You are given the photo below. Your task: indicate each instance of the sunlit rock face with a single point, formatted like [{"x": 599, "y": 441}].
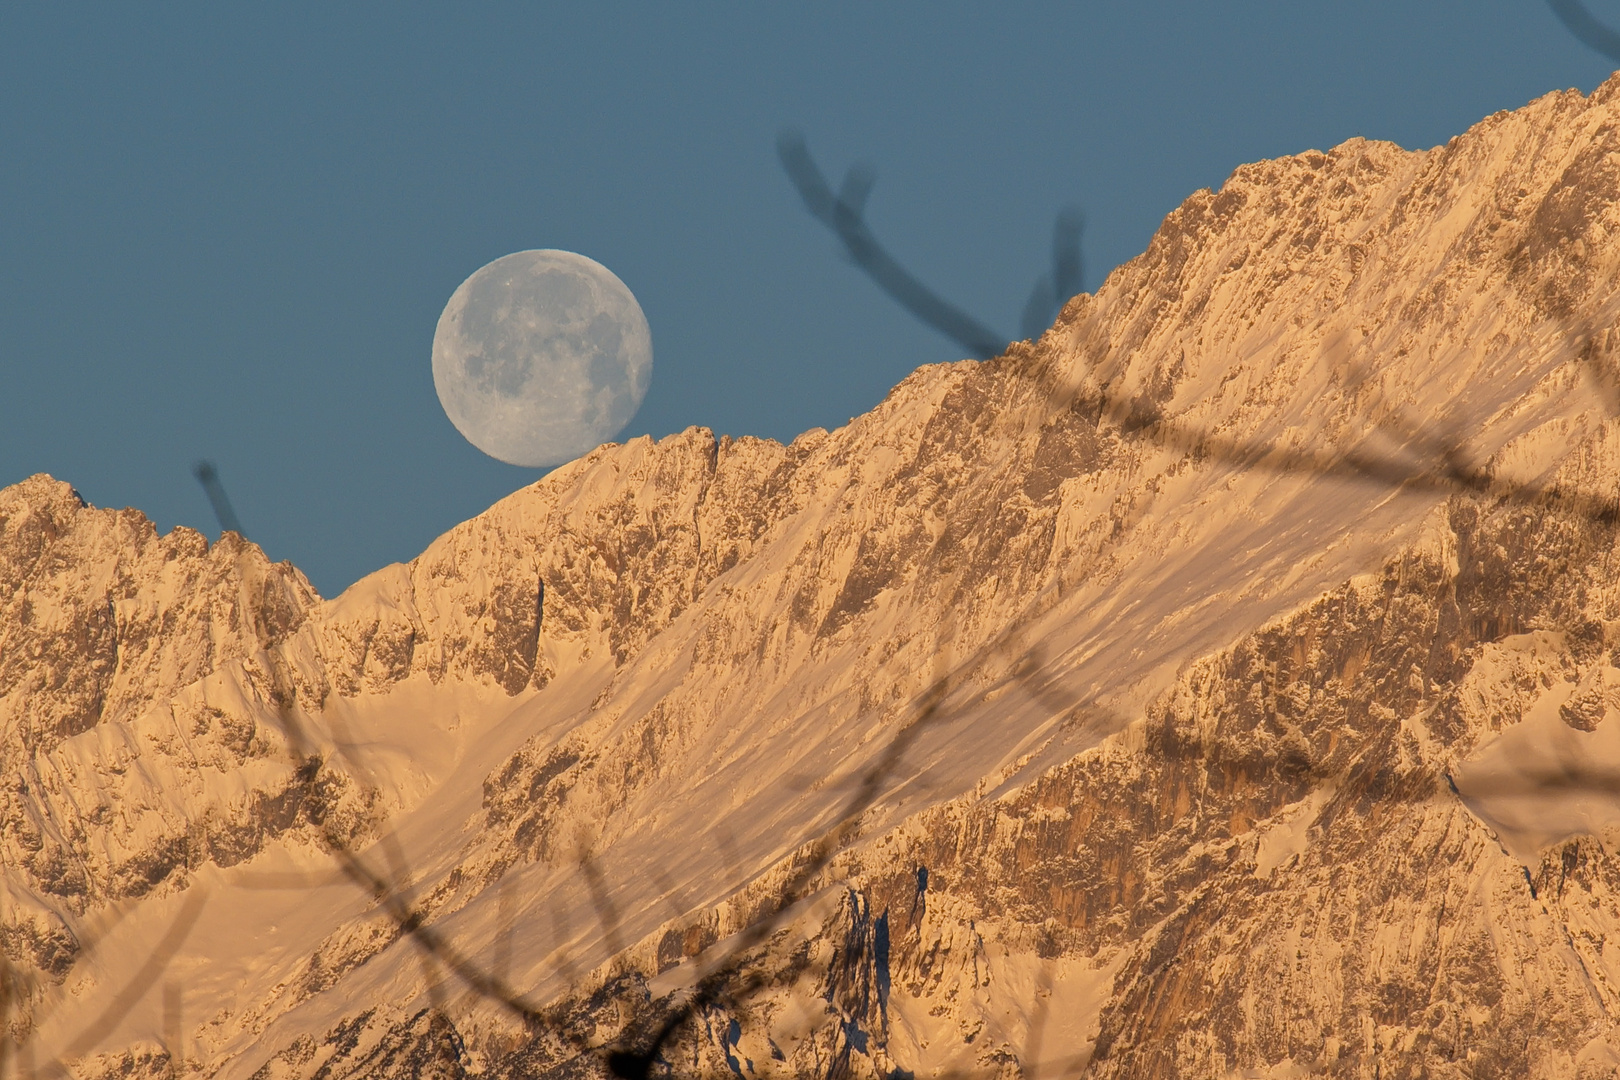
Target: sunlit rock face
[{"x": 1254, "y": 739}]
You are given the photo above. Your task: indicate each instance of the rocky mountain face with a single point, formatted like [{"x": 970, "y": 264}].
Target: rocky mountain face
[{"x": 1227, "y": 683}]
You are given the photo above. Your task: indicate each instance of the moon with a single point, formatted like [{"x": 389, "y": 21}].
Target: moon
[{"x": 541, "y": 356}]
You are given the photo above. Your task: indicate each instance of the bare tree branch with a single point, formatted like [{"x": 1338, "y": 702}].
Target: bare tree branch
[
  {"x": 145, "y": 977},
  {"x": 208, "y": 477},
  {"x": 843, "y": 215},
  {"x": 1585, "y": 26}
]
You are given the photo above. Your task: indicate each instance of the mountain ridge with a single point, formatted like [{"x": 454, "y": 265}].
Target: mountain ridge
[{"x": 673, "y": 662}]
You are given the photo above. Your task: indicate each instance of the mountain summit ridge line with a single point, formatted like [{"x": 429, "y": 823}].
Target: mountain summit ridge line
[{"x": 1185, "y": 693}]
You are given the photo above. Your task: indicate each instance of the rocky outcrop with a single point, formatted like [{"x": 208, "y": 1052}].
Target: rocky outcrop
[{"x": 104, "y": 624}]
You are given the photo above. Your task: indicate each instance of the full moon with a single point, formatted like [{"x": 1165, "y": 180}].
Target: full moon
[{"x": 541, "y": 356}]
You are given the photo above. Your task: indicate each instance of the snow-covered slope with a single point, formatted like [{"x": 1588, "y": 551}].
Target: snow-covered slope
[{"x": 1209, "y": 639}]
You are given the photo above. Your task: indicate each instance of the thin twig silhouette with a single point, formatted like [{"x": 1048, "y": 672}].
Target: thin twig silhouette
[
  {"x": 711, "y": 987},
  {"x": 144, "y": 978},
  {"x": 1442, "y": 466},
  {"x": 843, "y": 214},
  {"x": 1569, "y": 773},
  {"x": 1448, "y": 469},
  {"x": 1586, "y": 28},
  {"x": 502, "y": 965},
  {"x": 561, "y": 935},
  {"x": 1066, "y": 278},
  {"x": 208, "y": 477},
  {"x": 174, "y": 1028},
  {"x": 670, "y": 893},
  {"x": 1037, "y": 1024},
  {"x": 606, "y": 912},
  {"x": 388, "y": 893},
  {"x": 8, "y": 990},
  {"x": 15, "y": 989},
  {"x": 289, "y": 880}
]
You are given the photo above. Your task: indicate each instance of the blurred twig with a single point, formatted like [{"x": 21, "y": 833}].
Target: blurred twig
[
  {"x": 844, "y": 214},
  {"x": 208, "y": 477},
  {"x": 144, "y": 978},
  {"x": 1585, "y": 26},
  {"x": 1065, "y": 279}
]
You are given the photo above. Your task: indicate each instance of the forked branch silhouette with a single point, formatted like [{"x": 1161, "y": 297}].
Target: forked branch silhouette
[{"x": 844, "y": 213}]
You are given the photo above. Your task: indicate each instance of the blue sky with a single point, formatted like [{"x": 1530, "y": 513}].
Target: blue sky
[{"x": 228, "y": 230}]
